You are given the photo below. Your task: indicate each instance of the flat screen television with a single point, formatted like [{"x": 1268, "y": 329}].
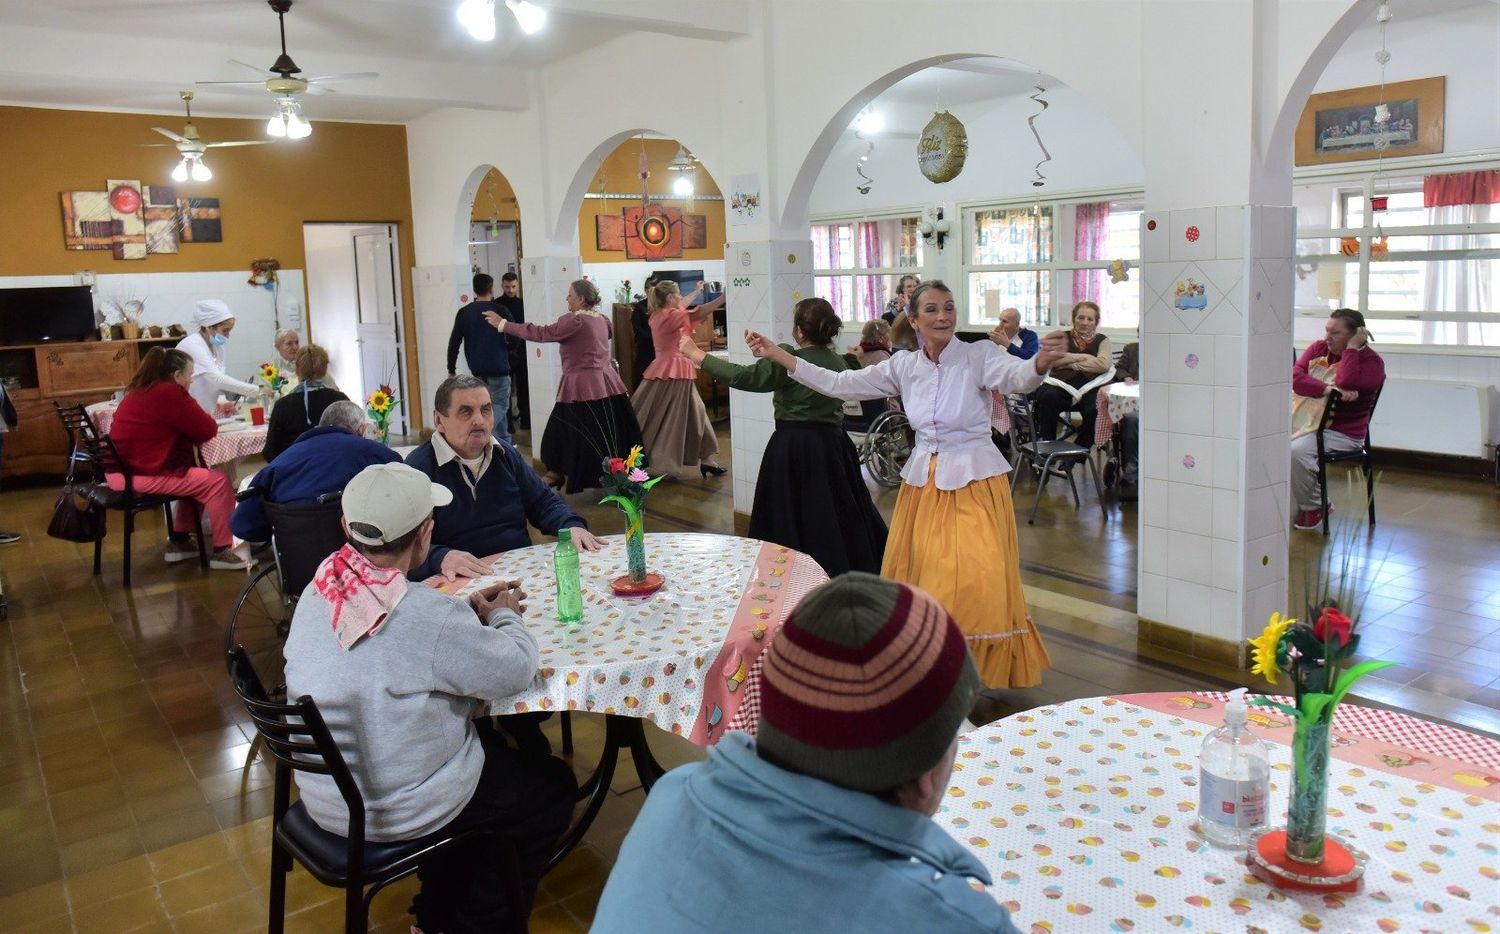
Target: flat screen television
[{"x": 40, "y": 315}]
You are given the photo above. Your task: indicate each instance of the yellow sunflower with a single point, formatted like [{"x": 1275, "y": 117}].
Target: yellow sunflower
[
  {"x": 1265, "y": 646},
  {"x": 267, "y": 371},
  {"x": 379, "y": 401}
]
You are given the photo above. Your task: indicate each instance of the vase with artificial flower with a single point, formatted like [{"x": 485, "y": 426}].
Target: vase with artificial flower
[
  {"x": 274, "y": 377},
  {"x": 627, "y": 483},
  {"x": 1319, "y": 657},
  {"x": 379, "y": 406}
]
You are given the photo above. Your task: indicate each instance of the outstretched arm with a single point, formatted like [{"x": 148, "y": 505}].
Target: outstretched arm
[{"x": 876, "y": 382}]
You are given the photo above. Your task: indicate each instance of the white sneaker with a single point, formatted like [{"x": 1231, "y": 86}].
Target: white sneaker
[
  {"x": 227, "y": 559},
  {"x": 181, "y": 551}
]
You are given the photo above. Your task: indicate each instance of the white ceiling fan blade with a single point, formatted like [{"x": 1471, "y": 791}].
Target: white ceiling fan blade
[
  {"x": 350, "y": 76},
  {"x": 240, "y": 142},
  {"x": 169, "y": 135},
  {"x": 157, "y": 145},
  {"x": 242, "y": 84},
  {"x": 254, "y": 68},
  {"x": 315, "y": 90}
]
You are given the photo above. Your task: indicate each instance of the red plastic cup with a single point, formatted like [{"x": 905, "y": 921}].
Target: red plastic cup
[{"x": 258, "y": 415}]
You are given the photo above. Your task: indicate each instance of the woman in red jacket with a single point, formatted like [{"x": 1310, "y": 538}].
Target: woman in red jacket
[{"x": 155, "y": 430}]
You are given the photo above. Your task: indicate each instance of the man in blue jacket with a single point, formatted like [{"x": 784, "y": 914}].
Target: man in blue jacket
[
  {"x": 823, "y": 821},
  {"x": 1017, "y": 341},
  {"x": 321, "y": 460},
  {"x": 485, "y": 349}
]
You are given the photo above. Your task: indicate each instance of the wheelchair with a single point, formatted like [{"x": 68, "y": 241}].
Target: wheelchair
[
  {"x": 301, "y": 537},
  {"x": 884, "y": 439}
]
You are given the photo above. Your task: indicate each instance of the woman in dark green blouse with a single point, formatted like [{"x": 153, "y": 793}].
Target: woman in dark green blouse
[{"x": 810, "y": 494}]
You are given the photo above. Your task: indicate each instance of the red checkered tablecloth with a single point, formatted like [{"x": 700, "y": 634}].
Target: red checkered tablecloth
[
  {"x": 1110, "y": 412},
  {"x": 999, "y": 414},
  {"x": 804, "y": 577},
  {"x": 232, "y": 441}
]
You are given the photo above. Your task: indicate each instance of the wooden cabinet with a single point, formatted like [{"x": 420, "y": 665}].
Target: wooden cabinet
[{"x": 69, "y": 373}]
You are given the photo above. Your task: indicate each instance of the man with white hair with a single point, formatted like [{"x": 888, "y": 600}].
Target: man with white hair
[
  {"x": 1017, "y": 341},
  {"x": 214, "y": 321},
  {"x": 287, "y": 342},
  {"x": 321, "y": 460}
]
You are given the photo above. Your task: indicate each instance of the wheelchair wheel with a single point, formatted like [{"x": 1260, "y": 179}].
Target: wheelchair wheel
[
  {"x": 260, "y": 621},
  {"x": 887, "y": 446}
]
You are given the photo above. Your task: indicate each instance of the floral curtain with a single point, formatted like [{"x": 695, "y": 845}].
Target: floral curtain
[
  {"x": 868, "y": 298},
  {"x": 826, "y": 256},
  {"x": 1090, "y": 240}
]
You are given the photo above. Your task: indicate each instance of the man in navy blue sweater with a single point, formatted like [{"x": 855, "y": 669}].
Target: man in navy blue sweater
[
  {"x": 321, "y": 460},
  {"x": 496, "y": 494},
  {"x": 485, "y": 349}
]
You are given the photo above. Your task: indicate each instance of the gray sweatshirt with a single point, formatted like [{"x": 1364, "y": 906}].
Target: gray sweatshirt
[{"x": 399, "y": 705}]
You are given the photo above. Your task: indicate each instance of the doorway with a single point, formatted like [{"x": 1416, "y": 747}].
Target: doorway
[{"x": 354, "y": 308}]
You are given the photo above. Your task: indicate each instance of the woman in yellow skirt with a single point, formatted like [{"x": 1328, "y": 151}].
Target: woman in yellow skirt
[{"x": 954, "y": 531}]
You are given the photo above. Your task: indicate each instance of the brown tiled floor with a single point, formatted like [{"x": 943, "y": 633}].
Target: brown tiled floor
[{"x": 125, "y": 804}]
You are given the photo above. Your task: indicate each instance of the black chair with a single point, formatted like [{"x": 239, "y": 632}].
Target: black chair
[
  {"x": 1362, "y": 454},
  {"x": 302, "y": 536},
  {"x": 1046, "y": 459},
  {"x": 98, "y": 454},
  {"x": 299, "y": 740}
]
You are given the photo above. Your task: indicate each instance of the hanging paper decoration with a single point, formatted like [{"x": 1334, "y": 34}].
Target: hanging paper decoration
[
  {"x": 942, "y": 148},
  {"x": 1119, "y": 271},
  {"x": 859, "y": 164},
  {"x": 1040, "y": 179}
]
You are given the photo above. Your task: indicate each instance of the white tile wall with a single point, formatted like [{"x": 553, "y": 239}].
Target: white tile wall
[{"x": 1189, "y": 557}]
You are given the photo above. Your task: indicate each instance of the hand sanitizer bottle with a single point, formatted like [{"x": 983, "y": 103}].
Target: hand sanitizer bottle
[
  {"x": 1234, "y": 780},
  {"x": 569, "y": 588}
]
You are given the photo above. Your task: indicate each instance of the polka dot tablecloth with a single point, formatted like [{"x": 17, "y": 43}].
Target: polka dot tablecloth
[
  {"x": 680, "y": 658},
  {"x": 233, "y": 440},
  {"x": 1085, "y": 815}
]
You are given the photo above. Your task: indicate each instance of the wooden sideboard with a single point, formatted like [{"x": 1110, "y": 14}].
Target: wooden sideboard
[{"x": 65, "y": 372}]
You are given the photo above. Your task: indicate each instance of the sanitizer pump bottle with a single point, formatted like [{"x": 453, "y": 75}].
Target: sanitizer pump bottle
[{"x": 1234, "y": 780}]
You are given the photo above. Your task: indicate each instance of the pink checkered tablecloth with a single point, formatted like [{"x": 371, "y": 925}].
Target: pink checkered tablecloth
[
  {"x": 679, "y": 658},
  {"x": 999, "y": 414},
  {"x": 233, "y": 440},
  {"x": 1116, "y": 401},
  {"x": 1085, "y": 815}
]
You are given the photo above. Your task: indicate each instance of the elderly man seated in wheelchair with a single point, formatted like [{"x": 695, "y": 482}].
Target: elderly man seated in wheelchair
[{"x": 321, "y": 461}]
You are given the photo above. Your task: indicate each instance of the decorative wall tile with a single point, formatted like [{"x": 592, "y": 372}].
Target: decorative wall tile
[
  {"x": 1266, "y": 560},
  {"x": 1192, "y": 409},
  {"x": 1192, "y": 234},
  {"x": 1155, "y": 234},
  {"x": 1191, "y": 360},
  {"x": 1190, "y": 459}
]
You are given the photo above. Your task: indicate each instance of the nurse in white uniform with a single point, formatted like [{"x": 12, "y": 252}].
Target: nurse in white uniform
[{"x": 206, "y": 347}]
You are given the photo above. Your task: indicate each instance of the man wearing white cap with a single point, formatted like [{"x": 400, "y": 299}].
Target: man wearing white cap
[
  {"x": 395, "y": 669},
  {"x": 206, "y": 346}
]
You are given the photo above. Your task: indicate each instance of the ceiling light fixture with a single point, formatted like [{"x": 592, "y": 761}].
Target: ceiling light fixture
[
  {"x": 288, "y": 120},
  {"x": 682, "y": 162},
  {"x": 530, "y": 17},
  {"x": 870, "y": 122},
  {"x": 191, "y": 167},
  {"x": 478, "y": 17},
  {"x": 683, "y": 187}
]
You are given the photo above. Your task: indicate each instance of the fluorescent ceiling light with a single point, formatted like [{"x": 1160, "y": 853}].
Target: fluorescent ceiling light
[
  {"x": 529, "y": 16},
  {"x": 478, "y": 17}
]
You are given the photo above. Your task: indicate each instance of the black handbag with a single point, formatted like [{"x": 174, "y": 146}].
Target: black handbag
[{"x": 75, "y": 518}]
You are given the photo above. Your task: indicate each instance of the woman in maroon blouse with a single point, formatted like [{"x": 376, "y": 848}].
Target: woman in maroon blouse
[
  {"x": 592, "y": 419},
  {"x": 155, "y": 431}
]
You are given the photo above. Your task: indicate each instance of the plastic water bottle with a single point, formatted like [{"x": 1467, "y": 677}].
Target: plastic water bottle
[
  {"x": 569, "y": 590},
  {"x": 1234, "y": 780}
]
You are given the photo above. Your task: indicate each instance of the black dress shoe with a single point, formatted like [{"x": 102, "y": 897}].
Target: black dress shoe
[{"x": 710, "y": 470}]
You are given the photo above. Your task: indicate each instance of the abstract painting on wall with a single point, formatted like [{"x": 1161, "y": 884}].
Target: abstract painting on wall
[
  {"x": 662, "y": 234},
  {"x": 132, "y": 221}
]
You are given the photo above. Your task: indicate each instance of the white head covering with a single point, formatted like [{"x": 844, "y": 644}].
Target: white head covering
[{"x": 210, "y": 312}]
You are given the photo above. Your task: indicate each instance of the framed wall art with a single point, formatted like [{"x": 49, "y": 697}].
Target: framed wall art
[{"x": 1344, "y": 126}]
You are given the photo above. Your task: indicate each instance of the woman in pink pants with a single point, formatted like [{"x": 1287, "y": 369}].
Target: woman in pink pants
[{"x": 155, "y": 430}]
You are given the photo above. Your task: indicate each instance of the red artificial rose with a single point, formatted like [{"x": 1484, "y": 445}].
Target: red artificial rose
[
  {"x": 617, "y": 465},
  {"x": 1333, "y": 622}
]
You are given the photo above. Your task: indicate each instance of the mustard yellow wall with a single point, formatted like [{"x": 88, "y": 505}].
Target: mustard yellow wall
[
  {"x": 343, "y": 172},
  {"x": 495, "y": 200},
  {"x": 621, "y": 173}
]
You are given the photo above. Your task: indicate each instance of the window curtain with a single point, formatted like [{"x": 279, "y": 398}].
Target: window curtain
[
  {"x": 826, "y": 256},
  {"x": 1090, "y": 240},
  {"x": 1458, "y": 285},
  {"x": 1460, "y": 188},
  {"x": 867, "y": 301}
]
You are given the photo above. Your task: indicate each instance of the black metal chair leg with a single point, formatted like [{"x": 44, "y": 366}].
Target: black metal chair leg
[
  {"x": 1323, "y": 492},
  {"x": 1041, "y": 485},
  {"x": 567, "y": 732},
  {"x": 1098, "y": 488},
  {"x": 276, "y": 921},
  {"x": 1073, "y": 485},
  {"x": 1370, "y": 488},
  {"x": 129, "y": 528},
  {"x": 198, "y": 524},
  {"x": 356, "y": 915},
  {"x": 98, "y": 551}
]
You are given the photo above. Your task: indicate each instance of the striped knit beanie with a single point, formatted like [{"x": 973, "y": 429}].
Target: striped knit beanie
[{"x": 865, "y": 686}]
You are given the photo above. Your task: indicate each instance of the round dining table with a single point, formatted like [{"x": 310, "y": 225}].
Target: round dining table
[
  {"x": 1085, "y": 815},
  {"x": 685, "y": 659},
  {"x": 236, "y": 438}
]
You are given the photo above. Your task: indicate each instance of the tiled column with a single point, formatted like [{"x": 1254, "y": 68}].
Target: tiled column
[
  {"x": 544, "y": 283},
  {"x": 437, "y": 291},
  {"x": 1215, "y": 403},
  {"x": 765, "y": 279}
]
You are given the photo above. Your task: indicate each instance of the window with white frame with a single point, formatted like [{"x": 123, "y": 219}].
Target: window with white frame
[
  {"x": 1044, "y": 257},
  {"x": 1418, "y": 255},
  {"x": 858, "y": 262}
]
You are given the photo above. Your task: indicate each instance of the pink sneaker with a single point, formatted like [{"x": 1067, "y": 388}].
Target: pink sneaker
[{"x": 1308, "y": 519}]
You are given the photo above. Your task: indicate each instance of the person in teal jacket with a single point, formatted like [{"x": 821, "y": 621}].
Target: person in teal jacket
[
  {"x": 823, "y": 821},
  {"x": 810, "y": 493}
]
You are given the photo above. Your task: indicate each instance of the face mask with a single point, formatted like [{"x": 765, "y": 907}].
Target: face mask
[{"x": 218, "y": 340}]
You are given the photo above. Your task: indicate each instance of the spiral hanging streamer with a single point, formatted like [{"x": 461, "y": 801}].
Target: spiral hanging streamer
[
  {"x": 1031, "y": 122},
  {"x": 859, "y": 164}
]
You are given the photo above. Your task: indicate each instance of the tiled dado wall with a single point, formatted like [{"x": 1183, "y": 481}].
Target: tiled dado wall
[
  {"x": 171, "y": 296},
  {"x": 1214, "y": 412}
]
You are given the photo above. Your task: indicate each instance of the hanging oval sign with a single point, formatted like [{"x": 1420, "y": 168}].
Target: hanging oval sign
[{"x": 942, "y": 148}]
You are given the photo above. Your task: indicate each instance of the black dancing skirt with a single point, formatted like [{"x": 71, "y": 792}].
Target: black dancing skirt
[
  {"x": 581, "y": 435},
  {"x": 811, "y": 496}
]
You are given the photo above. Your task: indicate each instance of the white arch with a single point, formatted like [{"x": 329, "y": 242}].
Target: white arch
[
  {"x": 1280, "y": 139},
  {"x": 572, "y": 199}
]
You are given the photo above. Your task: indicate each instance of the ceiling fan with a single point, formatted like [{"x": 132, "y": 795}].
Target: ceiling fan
[
  {"x": 286, "y": 83},
  {"x": 192, "y": 146}
]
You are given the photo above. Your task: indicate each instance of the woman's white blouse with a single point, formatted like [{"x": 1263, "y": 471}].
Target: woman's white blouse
[
  {"x": 948, "y": 404},
  {"x": 209, "y": 378}
]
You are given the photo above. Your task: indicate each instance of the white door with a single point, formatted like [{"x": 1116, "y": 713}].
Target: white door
[{"x": 378, "y": 293}]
